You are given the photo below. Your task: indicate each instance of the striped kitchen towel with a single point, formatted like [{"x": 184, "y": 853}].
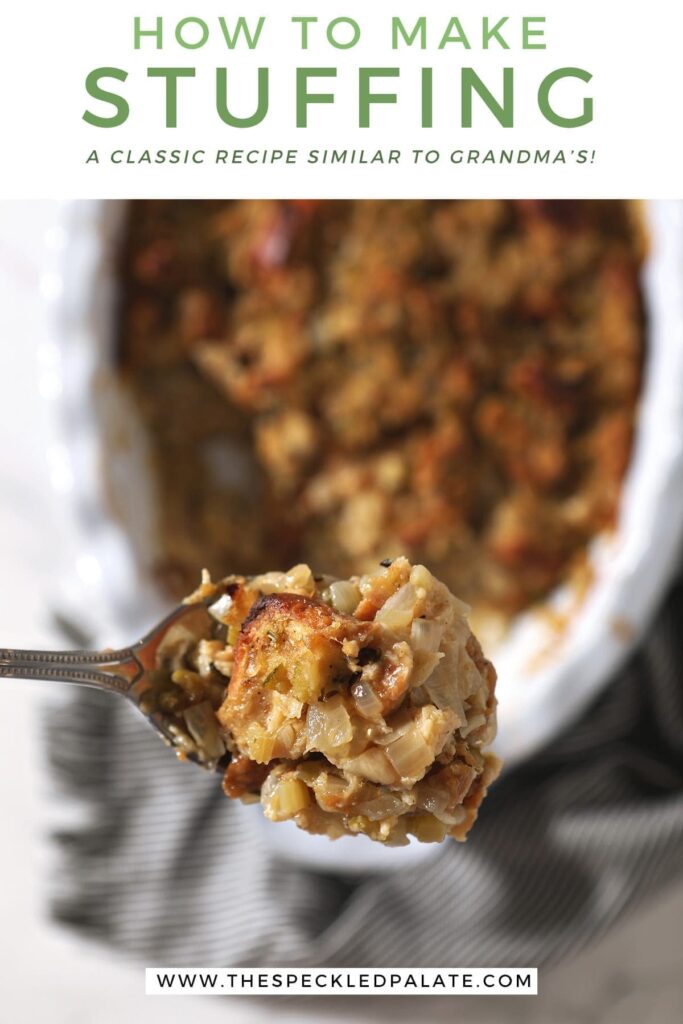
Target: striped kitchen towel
[{"x": 153, "y": 860}]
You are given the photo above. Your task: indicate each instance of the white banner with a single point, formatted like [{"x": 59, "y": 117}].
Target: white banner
[
  {"x": 276, "y": 99},
  {"x": 342, "y": 981}
]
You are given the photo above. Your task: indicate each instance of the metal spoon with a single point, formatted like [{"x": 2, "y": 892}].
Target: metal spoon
[{"x": 142, "y": 674}]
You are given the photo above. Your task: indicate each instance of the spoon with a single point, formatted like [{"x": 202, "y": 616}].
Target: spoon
[{"x": 142, "y": 674}]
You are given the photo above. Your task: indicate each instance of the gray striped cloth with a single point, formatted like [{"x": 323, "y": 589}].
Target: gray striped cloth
[{"x": 153, "y": 860}]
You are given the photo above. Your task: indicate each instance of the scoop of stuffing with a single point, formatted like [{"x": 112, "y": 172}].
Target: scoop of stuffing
[{"x": 353, "y": 706}]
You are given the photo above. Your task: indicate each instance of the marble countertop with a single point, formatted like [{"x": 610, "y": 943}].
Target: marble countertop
[{"x": 632, "y": 975}]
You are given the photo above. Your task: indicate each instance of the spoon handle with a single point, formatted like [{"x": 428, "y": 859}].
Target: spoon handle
[{"x": 115, "y": 671}]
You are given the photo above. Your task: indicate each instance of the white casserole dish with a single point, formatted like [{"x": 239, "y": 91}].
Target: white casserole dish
[{"x": 538, "y": 697}]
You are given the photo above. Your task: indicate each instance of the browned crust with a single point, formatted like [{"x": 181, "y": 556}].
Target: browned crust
[
  {"x": 270, "y": 616},
  {"x": 273, "y": 608},
  {"x": 265, "y": 628},
  {"x": 266, "y": 618},
  {"x": 472, "y": 801},
  {"x": 243, "y": 776}
]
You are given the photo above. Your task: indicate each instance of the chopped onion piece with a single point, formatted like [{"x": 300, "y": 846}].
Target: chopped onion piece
[
  {"x": 292, "y": 796},
  {"x": 420, "y": 576},
  {"x": 181, "y": 741},
  {"x": 372, "y": 765},
  {"x": 399, "y": 727},
  {"x": 423, "y": 667},
  {"x": 328, "y": 726},
  {"x": 397, "y": 611},
  {"x": 207, "y": 650},
  {"x": 453, "y": 817},
  {"x": 176, "y": 645},
  {"x": 343, "y": 596},
  {"x": 425, "y": 635},
  {"x": 403, "y": 598},
  {"x": 330, "y": 791},
  {"x": 395, "y": 619},
  {"x": 433, "y": 800},
  {"x": 426, "y": 828},
  {"x": 203, "y": 727},
  {"x": 315, "y": 725},
  {"x": 288, "y": 707},
  {"x": 300, "y": 577},
  {"x": 268, "y": 788},
  {"x": 410, "y": 755},
  {"x": 284, "y": 741},
  {"x": 220, "y": 608},
  {"x": 261, "y": 747},
  {"x": 473, "y": 722},
  {"x": 442, "y": 687},
  {"x": 386, "y": 806},
  {"x": 468, "y": 674},
  {"x": 367, "y": 701}
]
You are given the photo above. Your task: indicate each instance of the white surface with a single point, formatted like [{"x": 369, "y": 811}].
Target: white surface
[
  {"x": 632, "y": 52},
  {"x": 46, "y": 976}
]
